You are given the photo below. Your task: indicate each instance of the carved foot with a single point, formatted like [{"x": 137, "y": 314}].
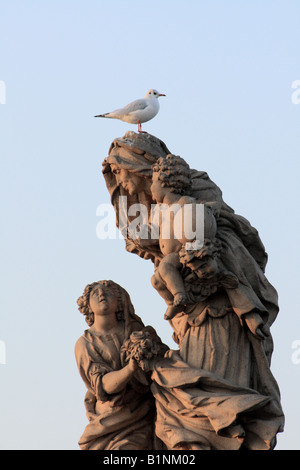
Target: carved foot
[
  {"x": 179, "y": 299},
  {"x": 172, "y": 311}
]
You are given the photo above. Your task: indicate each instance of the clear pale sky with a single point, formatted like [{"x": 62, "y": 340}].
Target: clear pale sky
[{"x": 227, "y": 68}]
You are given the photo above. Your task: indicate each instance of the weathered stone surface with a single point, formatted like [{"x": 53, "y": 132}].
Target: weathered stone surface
[
  {"x": 217, "y": 390},
  {"x": 119, "y": 403}
]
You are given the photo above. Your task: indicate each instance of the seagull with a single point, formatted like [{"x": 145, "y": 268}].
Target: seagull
[{"x": 138, "y": 111}]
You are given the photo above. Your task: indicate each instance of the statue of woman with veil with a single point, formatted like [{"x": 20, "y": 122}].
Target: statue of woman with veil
[{"x": 217, "y": 391}]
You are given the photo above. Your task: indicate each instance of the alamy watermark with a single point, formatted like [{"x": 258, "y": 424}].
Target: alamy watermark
[
  {"x": 2, "y": 352},
  {"x": 2, "y": 92},
  {"x": 160, "y": 221},
  {"x": 296, "y": 94},
  {"x": 296, "y": 353}
]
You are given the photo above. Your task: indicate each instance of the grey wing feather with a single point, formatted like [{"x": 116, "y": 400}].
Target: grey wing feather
[{"x": 135, "y": 106}]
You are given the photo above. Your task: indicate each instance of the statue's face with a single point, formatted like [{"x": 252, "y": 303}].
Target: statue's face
[
  {"x": 103, "y": 301},
  {"x": 129, "y": 181},
  {"x": 206, "y": 268}
]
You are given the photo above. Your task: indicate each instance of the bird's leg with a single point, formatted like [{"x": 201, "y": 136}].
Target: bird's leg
[{"x": 140, "y": 128}]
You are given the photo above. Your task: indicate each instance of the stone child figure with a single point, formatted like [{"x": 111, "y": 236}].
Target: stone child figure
[
  {"x": 170, "y": 183},
  {"x": 118, "y": 402}
]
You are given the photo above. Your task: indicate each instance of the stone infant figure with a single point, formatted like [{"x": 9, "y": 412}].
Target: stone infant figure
[{"x": 178, "y": 214}]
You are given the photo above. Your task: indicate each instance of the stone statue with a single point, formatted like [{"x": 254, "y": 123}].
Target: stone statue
[
  {"x": 170, "y": 180},
  {"x": 217, "y": 390},
  {"x": 114, "y": 358}
]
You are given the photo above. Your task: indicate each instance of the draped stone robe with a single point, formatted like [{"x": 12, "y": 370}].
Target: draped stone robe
[{"x": 119, "y": 421}]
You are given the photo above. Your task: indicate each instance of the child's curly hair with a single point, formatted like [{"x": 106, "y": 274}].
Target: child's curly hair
[
  {"x": 210, "y": 249},
  {"x": 174, "y": 173},
  {"x": 84, "y": 300}
]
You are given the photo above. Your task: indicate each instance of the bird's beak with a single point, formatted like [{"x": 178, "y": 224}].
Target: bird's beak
[{"x": 161, "y": 94}]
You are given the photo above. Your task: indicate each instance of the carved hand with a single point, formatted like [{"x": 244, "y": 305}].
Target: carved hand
[{"x": 114, "y": 382}]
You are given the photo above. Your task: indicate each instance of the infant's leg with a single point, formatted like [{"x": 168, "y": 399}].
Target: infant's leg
[
  {"x": 169, "y": 271},
  {"x": 158, "y": 284}
]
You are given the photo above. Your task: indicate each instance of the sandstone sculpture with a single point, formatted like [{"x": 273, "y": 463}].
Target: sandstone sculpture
[
  {"x": 119, "y": 404},
  {"x": 216, "y": 391}
]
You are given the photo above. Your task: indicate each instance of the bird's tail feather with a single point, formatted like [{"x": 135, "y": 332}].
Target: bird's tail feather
[{"x": 103, "y": 115}]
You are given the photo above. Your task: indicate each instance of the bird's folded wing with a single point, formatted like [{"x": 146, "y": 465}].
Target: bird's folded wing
[{"x": 137, "y": 105}]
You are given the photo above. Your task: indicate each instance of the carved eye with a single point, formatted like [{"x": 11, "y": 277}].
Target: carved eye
[{"x": 116, "y": 171}]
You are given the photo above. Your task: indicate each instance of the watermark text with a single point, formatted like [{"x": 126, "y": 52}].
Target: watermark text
[
  {"x": 2, "y": 352},
  {"x": 160, "y": 221},
  {"x": 296, "y": 94},
  {"x": 296, "y": 353},
  {"x": 2, "y": 92}
]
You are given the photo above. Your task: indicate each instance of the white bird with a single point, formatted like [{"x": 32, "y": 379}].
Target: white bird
[{"x": 138, "y": 111}]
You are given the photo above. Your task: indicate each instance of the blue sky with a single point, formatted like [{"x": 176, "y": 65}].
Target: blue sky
[{"x": 227, "y": 68}]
